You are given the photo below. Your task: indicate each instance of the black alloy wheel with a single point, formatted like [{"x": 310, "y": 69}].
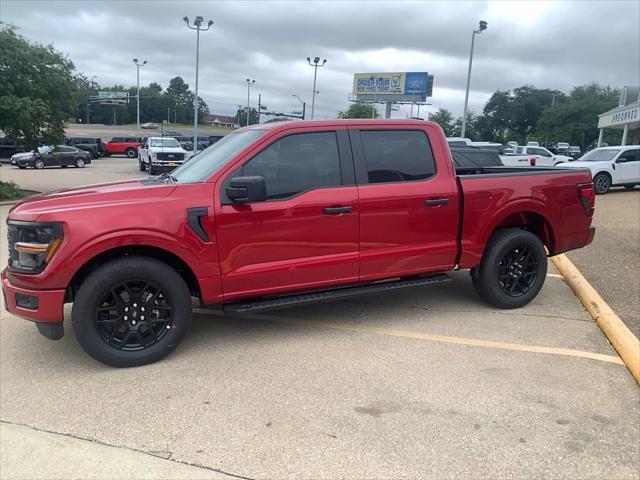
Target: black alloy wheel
[
  {"x": 517, "y": 271},
  {"x": 133, "y": 315}
]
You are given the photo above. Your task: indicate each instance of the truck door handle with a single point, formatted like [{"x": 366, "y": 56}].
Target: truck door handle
[
  {"x": 435, "y": 202},
  {"x": 337, "y": 210}
]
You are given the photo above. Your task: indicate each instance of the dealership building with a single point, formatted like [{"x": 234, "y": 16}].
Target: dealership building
[{"x": 625, "y": 117}]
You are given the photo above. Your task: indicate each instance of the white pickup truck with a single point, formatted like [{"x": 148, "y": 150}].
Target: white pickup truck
[
  {"x": 161, "y": 154},
  {"x": 544, "y": 158}
]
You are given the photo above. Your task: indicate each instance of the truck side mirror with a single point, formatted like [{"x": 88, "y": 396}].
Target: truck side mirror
[{"x": 247, "y": 190}]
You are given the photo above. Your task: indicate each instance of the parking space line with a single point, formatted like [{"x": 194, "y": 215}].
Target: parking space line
[{"x": 475, "y": 342}]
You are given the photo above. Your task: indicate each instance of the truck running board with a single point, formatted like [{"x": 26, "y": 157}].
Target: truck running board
[{"x": 263, "y": 304}]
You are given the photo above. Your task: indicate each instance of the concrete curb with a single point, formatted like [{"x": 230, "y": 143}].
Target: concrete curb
[{"x": 622, "y": 339}]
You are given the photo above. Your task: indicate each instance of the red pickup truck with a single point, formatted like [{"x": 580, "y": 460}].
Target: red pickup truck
[
  {"x": 285, "y": 214},
  {"x": 123, "y": 146}
]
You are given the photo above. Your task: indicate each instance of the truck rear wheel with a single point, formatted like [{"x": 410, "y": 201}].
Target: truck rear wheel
[
  {"x": 142, "y": 166},
  {"x": 512, "y": 270},
  {"x": 131, "y": 311}
]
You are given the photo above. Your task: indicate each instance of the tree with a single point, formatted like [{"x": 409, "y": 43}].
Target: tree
[
  {"x": 38, "y": 89},
  {"x": 575, "y": 118},
  {"x": 241, "y": 116},
  {"x": 359, "y": 110},
  {"x": 517, "y": 112},
  {"x": 444, "y": 118}
]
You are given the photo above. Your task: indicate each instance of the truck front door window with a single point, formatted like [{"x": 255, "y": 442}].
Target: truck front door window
[{"x": 296, "y": 164}]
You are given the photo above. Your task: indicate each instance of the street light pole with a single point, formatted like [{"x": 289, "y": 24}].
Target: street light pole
[
  {"x": 249, "y": 83},
  {"x": 483, "y": 26},
  {"x": 138, "y": 65},
  {"x": 315, "y": 66},
  {"x": 197, "y": 26}
]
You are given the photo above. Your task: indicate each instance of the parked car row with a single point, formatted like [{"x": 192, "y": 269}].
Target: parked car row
[{"x": 610, "y": 166}]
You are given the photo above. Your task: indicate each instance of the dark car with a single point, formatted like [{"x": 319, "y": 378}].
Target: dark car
[
  {"x": 58, "y": 156},
  {"x": 8, "y": 147},
  {"x": 171, "y": 133},
  {"x": 93, "y": 145}
]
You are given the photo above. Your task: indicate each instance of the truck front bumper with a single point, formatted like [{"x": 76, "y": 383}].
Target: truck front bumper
[{"x": 45, "y": 307}]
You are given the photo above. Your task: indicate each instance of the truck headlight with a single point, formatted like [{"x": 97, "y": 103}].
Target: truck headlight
[{"x": 32, "y": 244}]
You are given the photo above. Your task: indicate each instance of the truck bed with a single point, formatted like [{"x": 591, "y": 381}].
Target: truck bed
[{"x": 545, "y": 197}]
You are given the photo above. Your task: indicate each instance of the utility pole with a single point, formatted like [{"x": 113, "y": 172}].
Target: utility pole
[
  {"x": 315, "y": 66},
  {"x": 197, "y": 26},
  {"x": 138, "y": 65},
  {"x": 249, "y": 83},
  {"x": 482, "y": 27},
  {"x": 259, "y": 106}
]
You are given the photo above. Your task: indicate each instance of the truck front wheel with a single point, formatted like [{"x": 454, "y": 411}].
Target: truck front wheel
[
  {"x": 512, "y": 270},
  {"x": 131, "y": 311}
]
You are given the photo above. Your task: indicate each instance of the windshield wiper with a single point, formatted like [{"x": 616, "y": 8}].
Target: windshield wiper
[{"x": 167, "y": 176}]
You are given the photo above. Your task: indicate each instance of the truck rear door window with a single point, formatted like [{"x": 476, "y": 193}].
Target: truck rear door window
[
  {"x": 297, "y": 163},
  {"x": 397, "y": 155}
]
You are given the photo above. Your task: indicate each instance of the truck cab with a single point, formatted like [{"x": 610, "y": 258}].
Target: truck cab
[{"x": 161, "y": 154}]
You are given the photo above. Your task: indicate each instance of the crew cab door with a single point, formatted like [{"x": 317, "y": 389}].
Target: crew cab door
[
  {"x": 408, "y": 202},
  {"x": 627, "y": 167},
  {"x": 305, "y": 234}
]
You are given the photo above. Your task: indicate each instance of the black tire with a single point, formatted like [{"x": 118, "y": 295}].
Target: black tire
[
  {"x": 131, "y": 153},
  {"x": 120, "y": 343},
  {"x": 512, "y": 270},
  {"x": 152, "y": 170},
  {"x": 602, "y": 183},
  {"x": 142, "y": 166},
  {"x": 38, "y": 164},
  {"x": 80, "y": 162},
  {"x": 629, "y": 187}
]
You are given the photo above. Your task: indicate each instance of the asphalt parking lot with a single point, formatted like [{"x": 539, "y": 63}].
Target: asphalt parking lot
[{"x": 427, "y": 382}]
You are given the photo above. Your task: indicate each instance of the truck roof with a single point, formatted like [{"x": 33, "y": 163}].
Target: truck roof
[{"x": 334, "y": 123}]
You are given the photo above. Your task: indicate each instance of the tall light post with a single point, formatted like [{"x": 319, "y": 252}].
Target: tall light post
[
  {"x": 197, "y": 26},
  {"x": 138, "y": 65},
  {"x": 249, "y": 83},
  {"x": 483, "y": 26},
  {"x": 315, "y": 65}
]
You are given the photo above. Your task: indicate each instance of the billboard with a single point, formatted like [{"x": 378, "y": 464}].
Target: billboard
[
  {"x": 398, "y": 86},
  {"x": 110, "y": 97}
]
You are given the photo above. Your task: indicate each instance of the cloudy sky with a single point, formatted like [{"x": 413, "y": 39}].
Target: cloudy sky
[{"x": 548, "y": 44}]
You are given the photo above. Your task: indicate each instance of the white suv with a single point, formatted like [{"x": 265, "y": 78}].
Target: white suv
[{"x": 611, "y": 166}]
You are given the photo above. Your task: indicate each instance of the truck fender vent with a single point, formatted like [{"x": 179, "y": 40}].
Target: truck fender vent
[{"x": 194, "y": 219}]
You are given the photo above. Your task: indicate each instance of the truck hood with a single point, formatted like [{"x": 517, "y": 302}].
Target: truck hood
[
  {"x": 589, "y": 165},
  {"x": 167, "y": 149},
  {"x": 96, "y": 196}
]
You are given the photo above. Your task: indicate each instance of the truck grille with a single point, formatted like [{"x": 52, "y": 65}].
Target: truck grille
[{"x": 170, "y": 157}]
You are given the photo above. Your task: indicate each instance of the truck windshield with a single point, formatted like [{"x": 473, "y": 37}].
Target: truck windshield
[
  {"x": 201, "y": 166},
  {"x": 164, "y": 142},
  {"x": 600, "y": 155}
]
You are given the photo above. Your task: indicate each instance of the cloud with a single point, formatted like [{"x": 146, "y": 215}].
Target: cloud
[{"x": 549, "y": 44}]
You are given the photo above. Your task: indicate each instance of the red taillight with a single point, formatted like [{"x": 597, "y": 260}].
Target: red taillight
[
  {"x": 587, "y": 196},
  {"x": 532, "y": 161}
]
